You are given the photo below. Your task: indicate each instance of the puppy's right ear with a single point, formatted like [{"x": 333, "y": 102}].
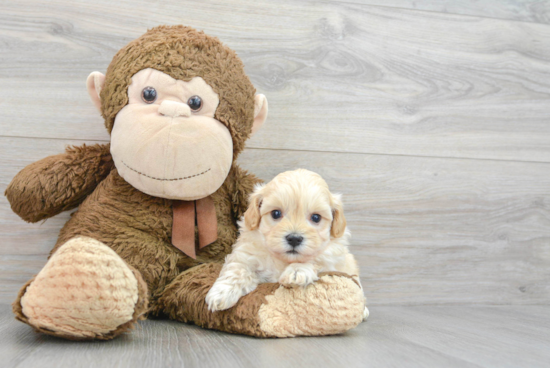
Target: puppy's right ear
[{"x": 252, "y": 215}]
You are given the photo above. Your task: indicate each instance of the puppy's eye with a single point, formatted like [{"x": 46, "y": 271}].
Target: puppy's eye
[
  {"x": 195, "y": 103},
  {"x": 316, "y": 218},
  {"x": 276, "y": 214},
  {"x": 149, "y": 95}
]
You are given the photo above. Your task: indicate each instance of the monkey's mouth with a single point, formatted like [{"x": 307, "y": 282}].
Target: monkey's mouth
[{"x": 165, "y": 179}]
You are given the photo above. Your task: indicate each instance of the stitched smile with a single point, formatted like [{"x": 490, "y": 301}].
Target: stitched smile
[{"x": 160, "y": 179}]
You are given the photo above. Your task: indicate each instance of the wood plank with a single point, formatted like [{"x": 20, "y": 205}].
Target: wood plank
[
  {"x": 16, "y": 270},
  {"x": 434, "y": 230},
  {"x": 520, "y": 10},
  {"x": 425, "y": 230},
  {"x": 422, "y": 336},
  {"x": 339, "y": 77}
]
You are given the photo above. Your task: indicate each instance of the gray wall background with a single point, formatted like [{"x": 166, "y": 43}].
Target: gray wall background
[{"x": 432, "y": 118}]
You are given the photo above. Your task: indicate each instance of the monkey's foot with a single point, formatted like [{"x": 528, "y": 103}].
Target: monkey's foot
[
  {"x": 333, "y": 304},
  {"x": 85, "y": 291}
]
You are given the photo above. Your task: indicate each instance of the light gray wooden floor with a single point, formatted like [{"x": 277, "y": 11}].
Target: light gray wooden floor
[
  {"x": 431, "y": 117},
  {"x": 419, "y": 336}
]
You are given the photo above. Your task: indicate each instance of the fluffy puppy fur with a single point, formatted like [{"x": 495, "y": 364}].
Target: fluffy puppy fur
[{"x": 293, "y": 229}]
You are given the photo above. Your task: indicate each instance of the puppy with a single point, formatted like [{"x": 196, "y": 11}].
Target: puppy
[{"x": 293, "y": 229}]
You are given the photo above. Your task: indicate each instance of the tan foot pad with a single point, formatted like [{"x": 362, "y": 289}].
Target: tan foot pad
[
  {"x": 85, "y": 290},
  {"x": 332, "y": 305}
]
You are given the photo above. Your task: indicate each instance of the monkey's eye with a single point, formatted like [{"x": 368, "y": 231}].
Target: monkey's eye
[
  {"x": 316, "y": 218},
  {"x": 276, "y": 214},
  {"x": 149, "y": 95},
  {"x": 195, "y": 103}
]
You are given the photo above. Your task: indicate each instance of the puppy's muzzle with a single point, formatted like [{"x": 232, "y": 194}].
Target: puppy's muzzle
[{"x": 294, "y": 240}]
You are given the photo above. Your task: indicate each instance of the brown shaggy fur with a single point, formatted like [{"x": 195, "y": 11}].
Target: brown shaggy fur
[
  {"x": 59, "y": 183},
  {"x": 183, "y": 53},
  {"x": 135, "y": 225},
  {"x": 190, "y": 289}
]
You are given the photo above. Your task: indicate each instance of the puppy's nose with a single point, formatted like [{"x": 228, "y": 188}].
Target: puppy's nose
[
  {"x": 174, "y": 109},
  {"x": 294, "y": 240}
]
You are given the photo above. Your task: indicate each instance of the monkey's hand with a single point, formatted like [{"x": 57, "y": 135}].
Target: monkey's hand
[{"x": 58, "y": 183}]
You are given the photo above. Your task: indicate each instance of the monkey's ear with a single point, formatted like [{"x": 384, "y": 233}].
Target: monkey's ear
[
  {"x": 94, "y": 84},
  {"x": 260, "y": 112},
  {"x": 252, "y": 216},
  {"x": 338, "y": 227}
]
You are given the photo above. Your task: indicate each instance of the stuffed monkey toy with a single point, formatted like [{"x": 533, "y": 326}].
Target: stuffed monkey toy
[{"x": 157, "y": 207}]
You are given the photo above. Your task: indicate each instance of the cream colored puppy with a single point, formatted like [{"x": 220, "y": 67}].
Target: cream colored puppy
[{"x": 293, "y": 229}]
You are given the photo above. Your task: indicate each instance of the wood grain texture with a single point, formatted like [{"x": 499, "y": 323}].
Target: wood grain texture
[
  {"x": 339, "y": 76},
  {"x": 537, "y": 11},
  {"x": 432, "y": 230},
  {"x": 424, "y": 336},
  {"x": 431, "y": 117},
  {"x": 425, "y": 230}
]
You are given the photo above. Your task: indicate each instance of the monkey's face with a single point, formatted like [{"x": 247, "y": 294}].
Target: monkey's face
[{"x": 166, "y": 142}]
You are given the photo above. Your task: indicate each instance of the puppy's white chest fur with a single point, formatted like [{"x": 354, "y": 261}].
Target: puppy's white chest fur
[{"x": 270, "y": 269}]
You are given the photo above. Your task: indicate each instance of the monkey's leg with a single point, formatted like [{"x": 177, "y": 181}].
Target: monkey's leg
[
  {"x": 332, "y": 305},
  {"x": 85, "y": 291}
]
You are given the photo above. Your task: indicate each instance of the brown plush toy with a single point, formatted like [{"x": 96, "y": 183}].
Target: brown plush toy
[{"x": 157, "y": 208}]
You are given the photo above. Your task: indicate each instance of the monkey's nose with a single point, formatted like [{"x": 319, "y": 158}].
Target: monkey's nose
[
  {"x": 294, "y": 240},
  {"x": 174, "y": 109}
]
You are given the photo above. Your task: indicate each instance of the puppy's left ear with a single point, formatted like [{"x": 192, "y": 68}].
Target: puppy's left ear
[
  {"x": 252, "y": 215},
  {"x": 338, "y": 219}
]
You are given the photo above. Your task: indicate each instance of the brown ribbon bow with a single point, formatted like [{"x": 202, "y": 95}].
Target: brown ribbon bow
[{"x": 201, "y": 212}]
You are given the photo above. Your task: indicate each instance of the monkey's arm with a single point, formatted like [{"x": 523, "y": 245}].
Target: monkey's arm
[
  {"x": 244, "y": 185},
  {"x": 58, "y": 183}
]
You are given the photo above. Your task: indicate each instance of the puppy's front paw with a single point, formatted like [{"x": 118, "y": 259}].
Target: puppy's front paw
[
  {"x": 222, "y": 297},
  {"x": 297, "y": 274}
]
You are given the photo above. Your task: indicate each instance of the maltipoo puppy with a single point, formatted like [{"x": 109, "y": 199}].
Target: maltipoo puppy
[{"x": 293, "y": 229}]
